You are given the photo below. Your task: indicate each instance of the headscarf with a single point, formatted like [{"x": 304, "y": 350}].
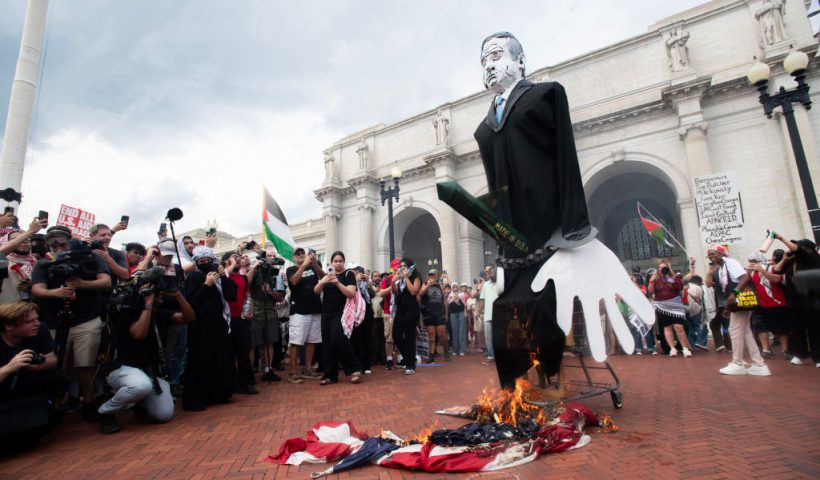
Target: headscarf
[
  {"x": 183, "y": 254},
  {"x": 720, "y": 249},
  {"x": 201, "y": 251},
  {"x": 23, "y": 264}
]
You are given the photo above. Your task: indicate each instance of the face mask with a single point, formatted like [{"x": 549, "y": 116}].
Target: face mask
[{"x": 204, "y": 267}]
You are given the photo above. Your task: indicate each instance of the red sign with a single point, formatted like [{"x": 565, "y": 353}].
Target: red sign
[{"x": 78, "y": 221}]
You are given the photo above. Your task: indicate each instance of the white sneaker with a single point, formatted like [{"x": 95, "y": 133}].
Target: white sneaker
[
  {"x": 797, "y": 361},
  {"x": 638, "y": 352},
  {"x": 720, "y": 348},
  {"x": 733, "y": 369},
  {"x": 409, "y": 371},
  {"x": 817, "y": 366},
  {"x": 686, "y": 352},
  {"x": 759, "y": 370},
  {"x": 673, "y": 352}
]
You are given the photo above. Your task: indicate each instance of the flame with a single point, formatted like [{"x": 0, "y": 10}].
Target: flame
[
  {"x": 510, "y": 407},
  {"x": 607, "y": 424},
  {"x": 534, "y": 360},
  {"x": 424, "y": 435}
]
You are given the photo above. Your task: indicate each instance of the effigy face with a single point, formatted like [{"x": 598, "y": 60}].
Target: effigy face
[{"x": 501, "y": 70}]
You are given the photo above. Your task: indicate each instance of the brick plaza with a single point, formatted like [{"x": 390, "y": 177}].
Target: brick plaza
[{"x": 680, "y": 419}]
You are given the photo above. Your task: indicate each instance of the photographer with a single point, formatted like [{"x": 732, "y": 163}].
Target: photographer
[
  {"x": 267, "y": 288},
  {"x": 28, "y": 381},
  {"x": 434, "y": 312},
  {"x": 240, "y": 324},
  {"x": 69, "y": 291},
  {"x": 113, "y": 258},
  {"x": 138, "y": 375}
]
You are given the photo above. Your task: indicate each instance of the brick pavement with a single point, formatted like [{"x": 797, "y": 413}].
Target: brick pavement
[{"x": 681, "y": 419}]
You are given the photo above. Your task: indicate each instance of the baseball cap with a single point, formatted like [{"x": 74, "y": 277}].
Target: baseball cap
[
  {"x": 298, "y": 250},
  {"x": 166, "y": 247},
  {"x": 58, "y": 231},
  {"x": 432, "y": 271}
]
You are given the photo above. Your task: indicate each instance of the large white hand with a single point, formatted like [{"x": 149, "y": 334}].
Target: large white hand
[{"x": 593, "y": 273}]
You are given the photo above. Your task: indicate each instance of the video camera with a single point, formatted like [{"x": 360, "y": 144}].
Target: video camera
[
  {"x": 73, "y": 263},
  {"x": 269, "y": 267},
  {"x": 128, "y": 295}
]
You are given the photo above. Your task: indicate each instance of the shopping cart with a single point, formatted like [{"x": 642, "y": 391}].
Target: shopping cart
[{"x": 579, "y": 380}]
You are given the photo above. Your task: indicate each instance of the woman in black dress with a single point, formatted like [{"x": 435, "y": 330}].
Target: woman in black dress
[
  {"x": 406, "y": 285},
  {"x": 210, "y": 372},
  {"x": 338, "y": 285}
]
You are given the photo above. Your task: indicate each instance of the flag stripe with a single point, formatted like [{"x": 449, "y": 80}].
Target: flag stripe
[
  {"x": 275, "y": 226},
  {"x": 282, "y": 246}
]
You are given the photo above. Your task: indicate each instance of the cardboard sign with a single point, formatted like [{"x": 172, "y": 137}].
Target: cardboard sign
[
  {"x": 78, "y": 221},
  {"x": 720, "y": 211}
]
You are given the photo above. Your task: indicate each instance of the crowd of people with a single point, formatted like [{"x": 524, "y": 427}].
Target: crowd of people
[
  {"x": 88, "y": 328},
  {"x": 688, "y": 305}
]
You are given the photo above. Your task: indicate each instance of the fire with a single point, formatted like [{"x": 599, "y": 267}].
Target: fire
[
  {"x": 424, "y": 435},
  {"x": 607, "y": 424},
  {"x": 510, "y": 407}
]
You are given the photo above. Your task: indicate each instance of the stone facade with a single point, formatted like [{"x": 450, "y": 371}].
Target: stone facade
[{"x": 649, "y": 113}]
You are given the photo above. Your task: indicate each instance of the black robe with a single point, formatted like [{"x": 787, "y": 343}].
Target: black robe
[
  {"x": 210, "y": 373},
  {"x": 532, "y": 153}
]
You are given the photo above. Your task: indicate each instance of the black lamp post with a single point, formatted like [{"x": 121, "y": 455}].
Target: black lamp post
[
  {"x": 388, "y": 194},
  {"x": 795, "y": 64}
]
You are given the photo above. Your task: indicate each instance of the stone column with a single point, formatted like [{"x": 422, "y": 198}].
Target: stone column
[
  {"x": 366, "y": 236},
  {"x": 698, "y": 164},
  {"x": 331, "y": 233},
  {"x": 444, "y": 165},
  {"x": 471, "y": 250}
]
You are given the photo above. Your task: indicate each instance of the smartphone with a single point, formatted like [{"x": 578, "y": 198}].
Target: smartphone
[
  {"x": 162, "y": 227},
  {"x": 211, "y": 231},
  {"x": 124, "y": 219},
  {"x": 42, "y": 215},
  {"x": 8, "y": 210},
  {"x": 411, "y": 269}
]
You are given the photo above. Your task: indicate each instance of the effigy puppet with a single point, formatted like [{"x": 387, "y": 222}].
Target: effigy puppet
[{"x": 536, "y": 209}]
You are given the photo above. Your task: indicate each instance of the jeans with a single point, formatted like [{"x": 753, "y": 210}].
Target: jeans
[
  {"x": 649, "y": 337},
  {"x": 698, "y": 332},
  {"x": 488, "y": 338},
  {"x": 175, "y": 346},
  {"x": 132, "y": 385},
  {"x": 720, "y": 330},
  {"x": 740, "y": 330},
  {"x": 458, "y": 324}
]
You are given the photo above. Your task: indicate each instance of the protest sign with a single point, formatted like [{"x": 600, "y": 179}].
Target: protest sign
[
  {"x": 78, "y": 221},
  {"x": 720, "y": 211}
]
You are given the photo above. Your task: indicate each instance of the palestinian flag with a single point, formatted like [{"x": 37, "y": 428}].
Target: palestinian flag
[
  {"x": 655, "y": 231},
  {"x": 275, "y": 226}
]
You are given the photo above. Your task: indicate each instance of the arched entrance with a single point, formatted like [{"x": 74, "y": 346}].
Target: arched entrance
[
  {"x": 417, "y": 235},
  {"x": 613, "y": 211}
]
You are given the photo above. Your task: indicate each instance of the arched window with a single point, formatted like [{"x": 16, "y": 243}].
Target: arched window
[{"x": 634, "y": 242}]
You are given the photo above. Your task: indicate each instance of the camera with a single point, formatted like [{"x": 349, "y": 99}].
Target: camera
[
  {"x": 665, "y": 271},
  {"x": 73, "y": 263},
  {"x": 96, "y": 245},
  {"x": 37, "y": 359}
]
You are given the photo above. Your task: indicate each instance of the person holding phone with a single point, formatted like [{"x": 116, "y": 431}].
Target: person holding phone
[
  {"x": 113, "y": 258},
  {"x": 667, "y": 289},
  {"x": 406, "y": 287}
]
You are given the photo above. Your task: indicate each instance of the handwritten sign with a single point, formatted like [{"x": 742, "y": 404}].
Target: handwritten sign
[
  {"x": 719, "y": 209},
  {"x": 78, "y": 221}
]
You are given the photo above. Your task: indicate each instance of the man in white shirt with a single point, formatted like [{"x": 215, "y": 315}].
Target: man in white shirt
[
  {"x": 489, "y": 292},
  {"x": 733, "y": 279}
]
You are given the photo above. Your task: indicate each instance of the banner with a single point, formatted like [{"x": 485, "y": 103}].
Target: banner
[
  {"x": 78, "y": 221},
  {"x": 720, "y": 211}
]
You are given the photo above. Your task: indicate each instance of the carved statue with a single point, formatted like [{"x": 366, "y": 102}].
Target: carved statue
[
  {"x": 442, "y": 126},
  {"x": 361, "y": 151},
  {"x": 331, "y": 172},
  {"x": 676, "y": 49},
  {"x": 770, "y": 15}
]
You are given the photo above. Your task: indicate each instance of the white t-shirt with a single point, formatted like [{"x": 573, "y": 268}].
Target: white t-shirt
[
  {"x": 489, "y": 292},
  {"x": 695, "y": 299},
  {"x": 731, "y": 270}
]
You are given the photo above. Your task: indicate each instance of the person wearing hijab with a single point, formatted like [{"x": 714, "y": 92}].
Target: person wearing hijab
[{"x": 211, "y": 371}]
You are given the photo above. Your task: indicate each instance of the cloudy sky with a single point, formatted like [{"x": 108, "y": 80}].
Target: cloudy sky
[{"x": 145, "y": 105}]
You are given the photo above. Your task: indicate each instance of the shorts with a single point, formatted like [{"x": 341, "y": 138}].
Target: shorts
[
  {"x": 264, "y": 331},
  {"x": 388, "y": 328},
  {"x": 84, "y": 343},
  {"x": 434, "y": 320},
  {"x": 305, "y": 328},
  {"x": 773, "y": 320}
]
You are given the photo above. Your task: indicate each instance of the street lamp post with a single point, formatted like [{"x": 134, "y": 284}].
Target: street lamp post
[
  {"x": 795, "y": 64},
  {"x": 387, "y": 195}
]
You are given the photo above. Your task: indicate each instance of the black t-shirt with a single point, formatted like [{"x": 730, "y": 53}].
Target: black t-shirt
[
  {"x": 305, "y": 301},
  {"x": 88, "y": 304},
  {"x": 333, "y": 300},
  {"x": 132, "y": 352},
  {"x": 41, "y": 343},
  {"x": 120, "y": 260},
  {"x": 433, "y": 301},
  {"x": 455, "y": 306}
]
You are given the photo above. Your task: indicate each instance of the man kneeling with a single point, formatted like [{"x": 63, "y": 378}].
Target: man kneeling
[{"x": 139, "y": 372}]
